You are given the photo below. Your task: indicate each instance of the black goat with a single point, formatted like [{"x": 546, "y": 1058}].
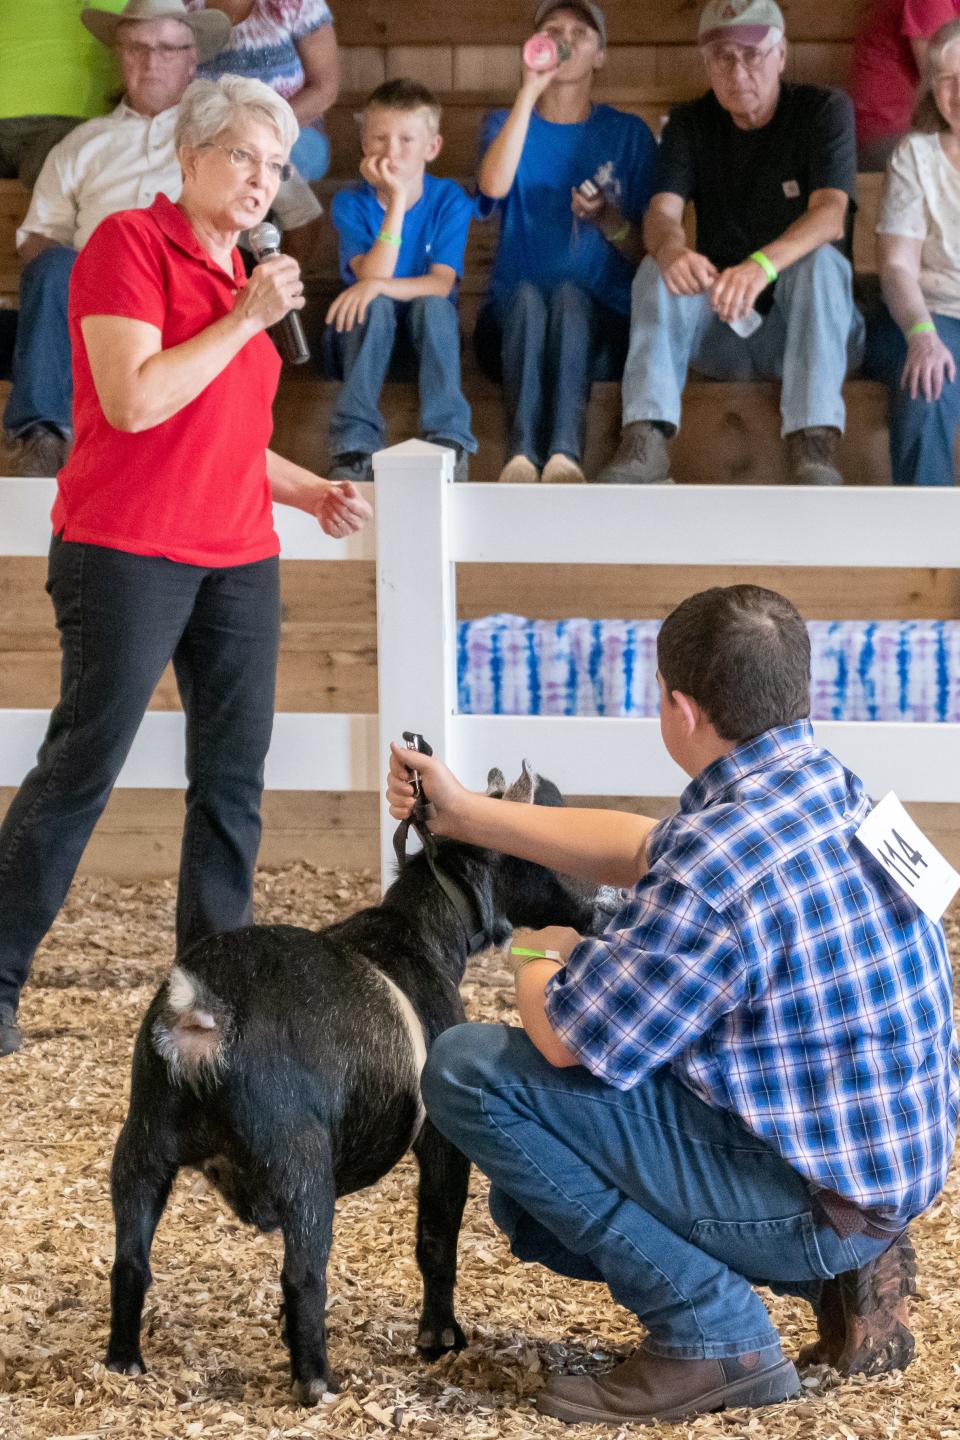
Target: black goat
[{"x": 285, "y": 1064}]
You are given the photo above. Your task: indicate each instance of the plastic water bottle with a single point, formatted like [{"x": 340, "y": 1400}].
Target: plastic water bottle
[
  {"x": 542, "y": 52},
  {"x": 746, "y": 325}
]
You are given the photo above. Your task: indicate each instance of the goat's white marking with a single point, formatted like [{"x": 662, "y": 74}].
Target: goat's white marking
[
  {"x": 418, "y": 1044},
  {"x": 181, "y": 991}
]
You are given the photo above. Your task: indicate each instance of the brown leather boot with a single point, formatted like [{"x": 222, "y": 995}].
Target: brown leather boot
[
  {"x": 862, "y": 1316},
  {"x": 642, "y": 457},
  {"x": 812, "y": 456},
  {"x": 650, "y": 1387}
]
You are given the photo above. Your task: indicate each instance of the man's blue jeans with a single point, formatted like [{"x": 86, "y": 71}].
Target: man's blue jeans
[
  {"x": 547, "y": 347},
  {"x": 923, "y": 433},
  {"x": 121, "y": 618},
  {"x": 673, "y": 1204},
  {"x": 425, "y": 334},
  {"x": 42, "y": 390},
  {"x": 812, "y": 336}
]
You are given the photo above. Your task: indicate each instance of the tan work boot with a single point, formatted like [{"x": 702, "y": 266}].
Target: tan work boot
[
  {"x": 519, "y": 470},
  {"x": 642, "y": 457},
  {"x": 812, "y": 456},
  {"x": 562, "y": 469},
  {"x": 862, "y": 1316},
  {"x": 649, "y": 1387},
  {"x": 39, "y": 453}
]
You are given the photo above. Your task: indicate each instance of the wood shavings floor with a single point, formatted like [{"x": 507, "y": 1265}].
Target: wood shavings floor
[{"x": 217, "y": 1366}]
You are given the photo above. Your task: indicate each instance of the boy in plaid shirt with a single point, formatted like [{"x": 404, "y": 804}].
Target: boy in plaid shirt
[{"x": 751, "y": 1078}]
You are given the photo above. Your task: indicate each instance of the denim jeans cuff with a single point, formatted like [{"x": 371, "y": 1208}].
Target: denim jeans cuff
[{"x": 713, "y": 1349}]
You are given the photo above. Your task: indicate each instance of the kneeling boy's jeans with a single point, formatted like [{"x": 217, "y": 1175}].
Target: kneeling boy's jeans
[
  {"x": 675, "y": 1205},
  {"x": 423, "y": 334}
]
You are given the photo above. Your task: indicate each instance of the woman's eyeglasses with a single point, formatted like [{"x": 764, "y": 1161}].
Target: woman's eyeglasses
[{"x": 242, "y": 159}]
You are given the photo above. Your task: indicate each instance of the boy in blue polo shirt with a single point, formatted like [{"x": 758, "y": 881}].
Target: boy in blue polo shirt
[
  {"x": 558, "y": 313},
  {"x": 402, "y": 237}
]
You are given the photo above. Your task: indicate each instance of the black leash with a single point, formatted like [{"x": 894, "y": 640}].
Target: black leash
[{"x": 462, "y": 902}]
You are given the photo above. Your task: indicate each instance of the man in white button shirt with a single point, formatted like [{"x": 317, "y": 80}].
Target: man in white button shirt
[{"x": 118, "y": 162}]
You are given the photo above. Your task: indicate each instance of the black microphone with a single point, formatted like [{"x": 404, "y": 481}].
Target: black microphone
[{"x": 291, "y": 341}]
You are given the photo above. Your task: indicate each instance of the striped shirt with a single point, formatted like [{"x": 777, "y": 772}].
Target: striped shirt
[{"x": 783, "y": 976}]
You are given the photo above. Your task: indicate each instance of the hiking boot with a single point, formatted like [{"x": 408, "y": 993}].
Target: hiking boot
[
  {"x": 642, "y": 457},
  {"x": 352, "y": 465},
  {"x": 9, "y": 1030},
  {"x": 39, "y": 453},
  {"x": 651, "y": 1387},
  {"x": 461, "y": 464},
  {"x": 519, "y": 470},
  {"x": 862, "y": 1316},
  {"x": 812, "y": 456},
  {"x": 562, "y": 469}
]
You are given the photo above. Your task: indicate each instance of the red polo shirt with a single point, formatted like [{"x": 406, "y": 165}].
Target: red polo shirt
[{"x": 193, "y": 488}]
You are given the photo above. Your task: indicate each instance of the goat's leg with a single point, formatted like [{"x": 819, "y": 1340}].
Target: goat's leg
[
  {"x": 444, "y": 1176},
  {"x": 307, "y": 1223},
  {"x": 140, "y": 1183}
]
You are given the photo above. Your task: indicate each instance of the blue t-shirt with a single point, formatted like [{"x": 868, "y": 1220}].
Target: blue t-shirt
[
  {"x": 434, "y": 230},
  {"x": 538, "y": 239}
]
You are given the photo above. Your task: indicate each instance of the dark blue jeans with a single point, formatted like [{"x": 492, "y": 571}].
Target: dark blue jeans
[
  {"x": 673, "y": 1204},
  {"x": 121, "y": 619},
  {"x": 42, "y": 378},
  {"x": 547, "y": 348},
  {"x": 923, "y": 433},
  {"x": 421, "y": 335}
]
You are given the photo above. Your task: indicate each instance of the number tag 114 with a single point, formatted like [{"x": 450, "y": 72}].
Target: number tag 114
[{"x": 908, "y": 857}]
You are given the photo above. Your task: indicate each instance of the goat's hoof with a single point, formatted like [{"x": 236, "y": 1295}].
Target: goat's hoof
[
  {"x": 312, "y": 1392},
  {"x": 434, "y": 1341},
  {"x": 126, "y": 1367}
]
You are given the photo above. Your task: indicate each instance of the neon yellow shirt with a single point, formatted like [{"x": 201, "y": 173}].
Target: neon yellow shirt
[{"x": 50, "y": 64}]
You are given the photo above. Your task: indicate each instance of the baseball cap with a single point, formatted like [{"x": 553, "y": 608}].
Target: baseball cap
[
  {"x": 745, "y": 22},
  {"x": 590, "y": 12}
]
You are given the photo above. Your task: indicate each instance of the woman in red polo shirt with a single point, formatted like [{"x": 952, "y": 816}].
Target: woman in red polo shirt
[{"x": 164, "y": 546}]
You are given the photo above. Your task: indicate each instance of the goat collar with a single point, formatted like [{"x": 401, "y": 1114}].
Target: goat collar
[{"x": 464, "y": 904}]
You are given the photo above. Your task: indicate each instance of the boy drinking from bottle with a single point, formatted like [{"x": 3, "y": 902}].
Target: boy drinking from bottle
[
  {"x": 402, "y": 236},
  {"x": 571, "y": 181}
]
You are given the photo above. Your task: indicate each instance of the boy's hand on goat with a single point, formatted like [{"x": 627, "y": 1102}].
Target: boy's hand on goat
[{"x": 441, "y": 787}]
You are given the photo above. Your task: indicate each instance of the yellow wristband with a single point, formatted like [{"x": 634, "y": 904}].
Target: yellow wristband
[
  {"x": 922, "y": 327},
  {"x": 766, "y": 265},
  {"x": 621, "y": 234},
  {"x": 389, "y": 239}
]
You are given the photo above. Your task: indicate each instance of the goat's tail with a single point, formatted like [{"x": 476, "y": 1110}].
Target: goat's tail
[{"x": 191, "y": 1032}]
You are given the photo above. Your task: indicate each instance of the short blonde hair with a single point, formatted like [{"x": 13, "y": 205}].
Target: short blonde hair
[
  {"x": 927, "y": 114},
  {"x": 409, "y": 95},
  {"x": 209, "y": 107}
]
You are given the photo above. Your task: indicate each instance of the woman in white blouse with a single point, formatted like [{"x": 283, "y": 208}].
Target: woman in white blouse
[{"x": 917, "y": 345}]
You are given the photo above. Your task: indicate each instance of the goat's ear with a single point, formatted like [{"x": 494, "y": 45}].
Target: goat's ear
[
  {"x": 545, "y": 792},
  {"x": 524, "y": 788},
  {"x": 496, "y": 784}
]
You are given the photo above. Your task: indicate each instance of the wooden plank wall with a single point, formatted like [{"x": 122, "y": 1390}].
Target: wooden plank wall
[{"x": 328, "y": 663}]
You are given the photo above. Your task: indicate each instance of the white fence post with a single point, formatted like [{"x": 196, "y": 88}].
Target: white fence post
[{"x": 416, "y": 607}]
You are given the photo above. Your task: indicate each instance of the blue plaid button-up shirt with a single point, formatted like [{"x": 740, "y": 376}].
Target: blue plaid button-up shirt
[{"x": 776, "y": 967}]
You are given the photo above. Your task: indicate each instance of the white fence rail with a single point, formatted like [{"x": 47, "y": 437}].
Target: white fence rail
[{"x": 426, "y": 525}]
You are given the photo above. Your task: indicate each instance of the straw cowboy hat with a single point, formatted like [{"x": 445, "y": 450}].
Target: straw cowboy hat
[{"x": 211, "y": 28}]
